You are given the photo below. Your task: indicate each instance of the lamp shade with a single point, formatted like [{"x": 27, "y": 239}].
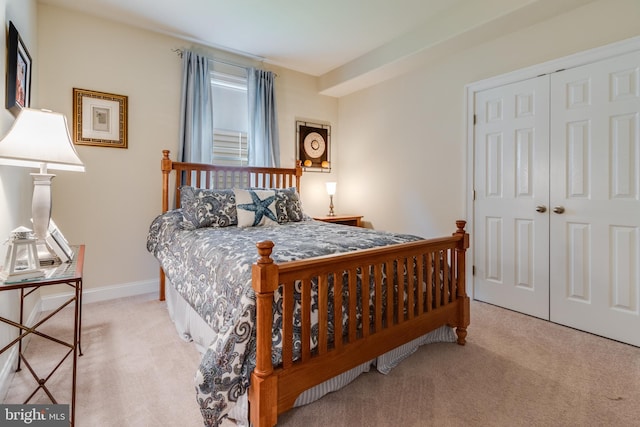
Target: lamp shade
[
  {"x": 331, "y": 188},
  {"x": 40, "y": 138}
]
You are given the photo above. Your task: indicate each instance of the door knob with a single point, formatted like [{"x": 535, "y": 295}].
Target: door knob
[
  {"x": 558, "y": 209},
  {"x": 541, "y": 209}
]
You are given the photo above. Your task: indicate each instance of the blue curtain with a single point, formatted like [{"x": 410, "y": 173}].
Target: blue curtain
[
  {"x": 263, "y": 138},
  {"x": 196, "y": 127}
]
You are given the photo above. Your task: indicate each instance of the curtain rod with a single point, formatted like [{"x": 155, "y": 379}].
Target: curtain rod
[{"x": 180, "y": 52}]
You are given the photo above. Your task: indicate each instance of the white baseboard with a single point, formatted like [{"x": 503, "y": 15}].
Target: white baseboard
[{"x": 105, "y": 293}]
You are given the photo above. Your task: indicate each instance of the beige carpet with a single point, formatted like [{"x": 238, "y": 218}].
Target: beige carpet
[{"x": 514, "y": 371}]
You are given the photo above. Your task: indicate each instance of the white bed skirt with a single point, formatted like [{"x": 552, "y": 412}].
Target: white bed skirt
[{"x": 191, "y": 327}]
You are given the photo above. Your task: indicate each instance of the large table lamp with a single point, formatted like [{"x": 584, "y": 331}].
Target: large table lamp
[{"x": 40, "y": 139}]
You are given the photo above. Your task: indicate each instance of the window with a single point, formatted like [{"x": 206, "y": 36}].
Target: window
[{"x": 230, "y": 114}]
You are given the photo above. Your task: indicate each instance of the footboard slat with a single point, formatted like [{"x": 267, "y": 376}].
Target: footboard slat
[
  {"x": 430, "y": 282},
  {"x": 337, "y": 312},
  {"x": 421, "y": 293},
  {"x": 447, "y": 281},
  {"x": 323, "y": 314},
  {"x": 390, "y": 293},
  {"x": 438, "y": 281},
  {"x": 394, "y": 295}
]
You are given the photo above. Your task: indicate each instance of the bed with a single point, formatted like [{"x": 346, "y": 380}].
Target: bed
[{"x": 292, "y": 307}]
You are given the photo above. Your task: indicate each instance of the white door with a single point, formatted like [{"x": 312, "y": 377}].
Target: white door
[
  {"x": 511, "y": 241},
  {"x": 595, "y": 187}
]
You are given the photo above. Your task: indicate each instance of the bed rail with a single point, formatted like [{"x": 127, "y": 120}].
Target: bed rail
[{"x": 404, "y": 307}]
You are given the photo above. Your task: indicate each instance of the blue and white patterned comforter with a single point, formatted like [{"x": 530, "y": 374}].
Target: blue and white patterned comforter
[{"x": 211, "y": 268}]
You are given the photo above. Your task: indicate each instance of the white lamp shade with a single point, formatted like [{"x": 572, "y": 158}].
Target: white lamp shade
[
  {"x": 40, "y": 138},
  {"x": 331, "y": 188}
]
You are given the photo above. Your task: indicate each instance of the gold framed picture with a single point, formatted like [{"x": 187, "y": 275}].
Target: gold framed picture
[
  {"x": 314, "y": 146},
  {"x": 99, "y": 118}
]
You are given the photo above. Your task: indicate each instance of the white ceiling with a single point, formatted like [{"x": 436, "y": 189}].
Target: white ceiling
[
  {"x": 348, "y": 44},
  {"x": 311, "y": 36}
]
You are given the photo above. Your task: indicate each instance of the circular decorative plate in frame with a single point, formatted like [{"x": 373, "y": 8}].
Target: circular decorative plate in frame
[{"x": 314, "y": 146}]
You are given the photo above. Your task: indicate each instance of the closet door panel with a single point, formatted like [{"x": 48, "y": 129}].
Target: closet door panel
[
  {"x": 595, "y": 185},
  {"x": 511, "y": 181}
]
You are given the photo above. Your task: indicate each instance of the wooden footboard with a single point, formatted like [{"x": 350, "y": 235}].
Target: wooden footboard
[{"x": 404, "y": 307}]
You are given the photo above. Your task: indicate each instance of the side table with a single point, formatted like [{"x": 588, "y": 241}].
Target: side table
[
  {"x": 69, "y": 274},
  {"x": 354, "y": 220}
]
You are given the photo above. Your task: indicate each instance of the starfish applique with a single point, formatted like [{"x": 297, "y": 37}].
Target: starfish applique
[{"x": 260, "y": 207}]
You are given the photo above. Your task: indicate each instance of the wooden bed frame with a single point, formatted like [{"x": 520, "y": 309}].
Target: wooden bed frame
[{"x": 434, "y": 295}]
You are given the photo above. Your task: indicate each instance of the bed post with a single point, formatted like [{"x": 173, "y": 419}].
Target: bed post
[
  {"x": 166, "y": 167},
  {"x": 298, "y": 174},
  {"x": 263, "y": 392},
  {"x": 464, "y": 311}
]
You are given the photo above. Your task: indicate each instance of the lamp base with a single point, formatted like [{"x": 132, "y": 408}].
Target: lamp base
[
  {"x": 331, "y": 212},
  {"x": 41, "y": 204}
]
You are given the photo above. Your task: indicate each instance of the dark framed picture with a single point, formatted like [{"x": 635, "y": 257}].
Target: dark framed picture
[
  {"x": 18, "y": 73},
  {"x": 314, "y": 146},
  {"x": 99, "y": 118}
]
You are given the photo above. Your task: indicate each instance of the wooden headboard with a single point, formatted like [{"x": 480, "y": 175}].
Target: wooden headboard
[{"x": 202, "y": 175}]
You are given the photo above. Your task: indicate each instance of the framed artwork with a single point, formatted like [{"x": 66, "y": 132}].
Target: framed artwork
[
  {"x": 18, "y": 73},
  {"x": 314, "y": 146},
  {"x": 99, "y": 118},
  {"x": 58, "y": 243}
]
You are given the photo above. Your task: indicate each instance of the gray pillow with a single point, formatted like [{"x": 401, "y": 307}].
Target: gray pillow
[
  {"x": 291, "y": 205},
  {"x": 207, "y": 208}
]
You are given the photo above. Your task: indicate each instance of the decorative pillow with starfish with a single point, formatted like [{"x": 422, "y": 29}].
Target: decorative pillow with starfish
[{"x": 256, "y": 207}]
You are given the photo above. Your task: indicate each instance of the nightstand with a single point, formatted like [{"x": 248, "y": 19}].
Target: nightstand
[
  {"x": 354, "y": 220},
  {"x": 69, "y": 274}
]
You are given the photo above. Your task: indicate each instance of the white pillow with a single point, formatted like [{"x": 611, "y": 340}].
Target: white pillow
[{"x": 256, "y": 207}]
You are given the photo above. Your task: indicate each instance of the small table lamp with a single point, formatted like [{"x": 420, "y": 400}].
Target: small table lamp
[
  {"x": 40, "y": 139},
  {"x": 331, "y": 191}
]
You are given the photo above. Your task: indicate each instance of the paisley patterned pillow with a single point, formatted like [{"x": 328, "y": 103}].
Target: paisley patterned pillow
[
  {"x": 288, "y": 200},
  {"x": 256, "y": 207},
  {"x": 207, "y": 208}
]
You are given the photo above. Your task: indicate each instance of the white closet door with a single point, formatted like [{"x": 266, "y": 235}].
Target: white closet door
[
  {"x": 511, "y": 241},
  {"x": 595, "y": 178}
]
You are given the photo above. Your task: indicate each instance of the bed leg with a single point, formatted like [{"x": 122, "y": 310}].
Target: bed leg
[
  {"x": 263, "y": 409},
  {"x": 462, "y": 335},
  {"x": 161, "y": 295}
]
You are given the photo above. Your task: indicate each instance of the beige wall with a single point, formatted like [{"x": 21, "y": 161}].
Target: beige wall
[
  {"x": 111, "y": 205},
  {"x": 409, "y": 130},
  {"x": 403, "y": 142},
  {"x": 15, "y": 183}
]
